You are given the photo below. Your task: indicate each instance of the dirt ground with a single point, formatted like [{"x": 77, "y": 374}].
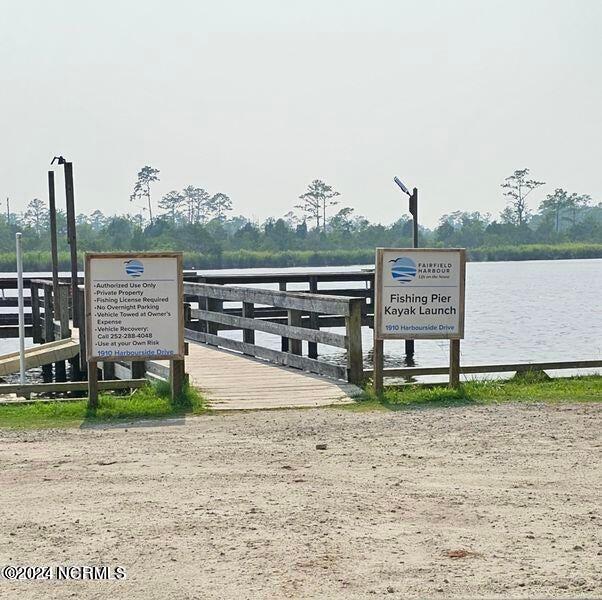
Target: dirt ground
[{"x": 499, "y": 501}]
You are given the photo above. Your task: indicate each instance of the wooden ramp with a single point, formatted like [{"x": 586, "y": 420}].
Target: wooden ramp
[
  {"x": 37, "y": 356},
  {"x": 231, "y": 381}
]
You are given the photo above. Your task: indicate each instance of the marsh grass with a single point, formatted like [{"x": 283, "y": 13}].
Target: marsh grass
[{"x": 241, "y": 259}]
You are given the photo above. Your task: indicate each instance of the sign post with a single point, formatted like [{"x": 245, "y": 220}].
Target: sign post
[
  {"x": 419, "y": 295},
  {"x": 134, "y": 312}
]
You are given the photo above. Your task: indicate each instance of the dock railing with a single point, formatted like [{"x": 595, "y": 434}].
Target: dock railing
[{"x": 293, "y": 316}]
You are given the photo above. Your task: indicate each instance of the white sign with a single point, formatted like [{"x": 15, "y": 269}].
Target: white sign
[
  {"x": 419, "y": 293},
  {"x": 134, "y": 306}
]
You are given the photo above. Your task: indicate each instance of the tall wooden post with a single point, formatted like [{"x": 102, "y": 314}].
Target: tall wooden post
[
  {"x": 53, "y": 244},
  {"x": 454, "y": 363},
  {"x": 72, "y": 239}
]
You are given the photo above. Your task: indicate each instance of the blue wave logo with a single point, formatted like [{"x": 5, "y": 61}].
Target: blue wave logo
[
  {"x": 134, "y": 268},
  {"x": 403, "y": 269}
]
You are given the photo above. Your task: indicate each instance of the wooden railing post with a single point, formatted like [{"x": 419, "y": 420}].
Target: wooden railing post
[
  {"x": 294, "y": 319},
  {"x": 248, "y": 311},
  {"x": 353, "y": 326},
  {"x": 214, "y": 305},
  {"x": 284, "y": 340},
  {"x": 203, "y": 303},
  {"x": 314, "y": 320}
]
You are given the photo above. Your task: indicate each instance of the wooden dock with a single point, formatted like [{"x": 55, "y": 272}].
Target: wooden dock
[{"x": 249, "y": 347}]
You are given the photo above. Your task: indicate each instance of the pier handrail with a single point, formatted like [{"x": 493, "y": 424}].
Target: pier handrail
[{"x": 301, "y": 311}]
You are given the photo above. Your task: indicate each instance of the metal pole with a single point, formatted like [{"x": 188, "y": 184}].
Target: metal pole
[
  {"x": 409, "y": 344},
  {"x": 72, "y": 240},
  {"x": 21, "y": 315},
  {"x": 414, "y": 211},
  {"x": 53, "y": 245}
]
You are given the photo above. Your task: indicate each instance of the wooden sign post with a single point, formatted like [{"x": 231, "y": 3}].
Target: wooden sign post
[
  {"x": 134, "y": 313},
  {"x": 419, "y": 294}
]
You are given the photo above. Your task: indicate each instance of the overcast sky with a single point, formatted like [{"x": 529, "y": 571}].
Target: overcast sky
[{"x": 257, "y": 98}]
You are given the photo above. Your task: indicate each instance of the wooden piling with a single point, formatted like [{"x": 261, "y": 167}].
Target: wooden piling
[
  {"x": 72, "y": 240},
  {"x": 53, "y": 244}
]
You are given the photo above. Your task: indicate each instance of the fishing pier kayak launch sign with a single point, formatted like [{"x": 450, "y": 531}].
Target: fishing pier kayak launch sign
[
  {"x": 419, "y": 293},
  {"x": 134, "y": 307}
]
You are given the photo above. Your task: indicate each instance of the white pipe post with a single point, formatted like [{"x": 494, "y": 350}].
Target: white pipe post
[{"x": 21, "y": 314}]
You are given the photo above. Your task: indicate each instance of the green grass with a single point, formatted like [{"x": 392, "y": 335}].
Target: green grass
[
  {"x": 523, "y": 388},
  {"x": 150, "y": 402},
  {"x": 153, "y": 401}
]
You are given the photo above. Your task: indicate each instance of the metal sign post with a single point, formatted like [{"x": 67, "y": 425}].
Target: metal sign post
[
  {"x": 419, "y": 294},
  {"x": 21, "y": 312}
]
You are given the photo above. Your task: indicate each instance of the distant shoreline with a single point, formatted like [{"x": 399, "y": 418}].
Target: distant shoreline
[{"x": 246, "y": 259}]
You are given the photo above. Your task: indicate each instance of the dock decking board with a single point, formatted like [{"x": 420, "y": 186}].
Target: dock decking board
[{"x": 231, "y": 381}]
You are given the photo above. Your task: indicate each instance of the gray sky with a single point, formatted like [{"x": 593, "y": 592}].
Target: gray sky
[{"x": 257, "y": 98}]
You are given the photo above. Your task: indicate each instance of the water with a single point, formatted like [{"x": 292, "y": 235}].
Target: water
[{"x": 529, "y": 311}]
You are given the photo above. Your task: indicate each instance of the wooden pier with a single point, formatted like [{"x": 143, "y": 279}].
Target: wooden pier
[{"x": 249, "y": 346}]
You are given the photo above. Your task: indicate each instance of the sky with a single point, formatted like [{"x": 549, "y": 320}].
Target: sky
[{"x": 258, "y": 98}]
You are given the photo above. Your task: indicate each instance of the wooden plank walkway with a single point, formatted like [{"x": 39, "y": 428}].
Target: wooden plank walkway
[{"x": 231, "y": 381}]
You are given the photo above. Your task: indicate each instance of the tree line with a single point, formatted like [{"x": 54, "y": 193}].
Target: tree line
[{"x": 196, "y": 221}]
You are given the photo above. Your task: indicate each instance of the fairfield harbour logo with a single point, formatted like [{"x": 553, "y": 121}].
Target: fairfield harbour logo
[
  {"x": 404, "y": 269},
  {"x": 133, "y": 267}
]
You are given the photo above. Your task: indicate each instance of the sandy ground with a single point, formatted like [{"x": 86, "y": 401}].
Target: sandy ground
[{"x": 245, "y": 506}]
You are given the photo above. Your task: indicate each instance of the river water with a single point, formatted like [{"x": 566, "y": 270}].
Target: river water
[{"x": 528, "y": 311}]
